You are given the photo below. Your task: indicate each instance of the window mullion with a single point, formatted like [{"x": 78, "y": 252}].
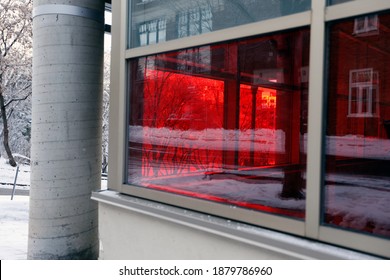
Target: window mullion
[{"x": 315, "y": 125}]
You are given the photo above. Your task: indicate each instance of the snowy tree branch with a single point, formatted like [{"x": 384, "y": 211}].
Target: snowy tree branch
[{"x": 19, "y": 99}]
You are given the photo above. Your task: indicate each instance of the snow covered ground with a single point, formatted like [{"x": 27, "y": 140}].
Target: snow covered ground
[
  {"x": 13, "y": 213},
  {"x": 13, "y": 227},
  {"x": 7, "y": 175}
]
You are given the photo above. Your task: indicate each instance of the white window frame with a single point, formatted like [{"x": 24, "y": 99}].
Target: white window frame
[
  {"x": 152, "y": 30},
  {"x": 366, "y": 25},
  {"x": 312, "y": 227},
  {"x": 361, "y": 99}
]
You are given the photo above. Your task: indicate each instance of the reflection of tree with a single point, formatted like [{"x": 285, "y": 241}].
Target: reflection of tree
[
  {"x": 230, "y": 106},
  {"x": 289, "y": 110},
  {"x": 164, "y": 104},
  {"x": 175, "y": 112},
  {"x": 257, "y": 118},
  {"x": 196, "y": 20}
]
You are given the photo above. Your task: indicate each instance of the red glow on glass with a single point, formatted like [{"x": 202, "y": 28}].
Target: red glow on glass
[
  {"x": 223, "y": 123},
  {"x": 242, "y": 204},
  {"x": 357, "y": 195}
]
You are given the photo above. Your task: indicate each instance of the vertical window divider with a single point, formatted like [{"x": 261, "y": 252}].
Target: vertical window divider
[
  {"x": 315, "y": 117},
  {"x": 117, "y": 125}
]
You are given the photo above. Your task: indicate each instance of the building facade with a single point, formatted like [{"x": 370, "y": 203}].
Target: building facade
[{"x": 248, "y": 129}]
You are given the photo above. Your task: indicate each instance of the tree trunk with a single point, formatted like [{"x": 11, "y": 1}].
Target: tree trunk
[{"x": 11, "y": 159}]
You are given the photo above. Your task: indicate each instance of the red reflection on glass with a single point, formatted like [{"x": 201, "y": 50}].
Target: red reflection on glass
[
  {"x": 224, "y": 123},
  {"x": 181, "y": 125},
  {"x": 259, "y": 136},
  {"x": 357, "y": 192}
]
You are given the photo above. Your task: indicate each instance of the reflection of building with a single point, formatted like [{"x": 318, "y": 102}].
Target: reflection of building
[
  {"x": 363, "y": 93},
  {"x": 233, "y": 125},
  {"x": 360, "y": 101},
  {"x": 366, "y": 25},
  {"x": 171, "y": 19}
]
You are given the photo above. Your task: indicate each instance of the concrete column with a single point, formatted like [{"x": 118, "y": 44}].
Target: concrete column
[{"x": 68, "y": 48}]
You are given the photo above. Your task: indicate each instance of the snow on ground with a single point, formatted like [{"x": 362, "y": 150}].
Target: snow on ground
[
  {"x": 358, "y": 207},
  {"x": 214, "y": 139},
  {"x": 7, "y": 175},
  {"x": 13, "y": 227},
  {"x": 257, "y": 140},
  {"x": 13, "y": 213}
]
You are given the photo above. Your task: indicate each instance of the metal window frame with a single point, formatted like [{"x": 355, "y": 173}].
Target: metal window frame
[
  {"x": 317, "y": 19},
  {"x": 338, "y": 236}
]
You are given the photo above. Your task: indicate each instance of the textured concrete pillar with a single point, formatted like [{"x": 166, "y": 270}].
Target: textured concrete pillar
[{"x": 68, "y": 52}]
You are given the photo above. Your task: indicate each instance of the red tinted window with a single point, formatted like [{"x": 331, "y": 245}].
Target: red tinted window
[
  {"x": 357, "y": 181},
  {"x": 224, "y": 123}
]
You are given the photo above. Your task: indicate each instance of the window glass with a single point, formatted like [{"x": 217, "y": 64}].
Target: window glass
[
  {"x": 184, "y": 18},
  {"x": 334, "y": 2},
  {"x": 357, "y": 181},
  {"x": 224, "y": 122}
]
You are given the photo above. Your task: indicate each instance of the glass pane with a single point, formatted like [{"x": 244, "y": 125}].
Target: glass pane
[
  {"x": 365, "y": 100},
  {"x": 334, "y": 2},
  {"x": 224, "y": 123},
  {"x": 374, "y": 102},
  {"x": 354, "y": 101},
  {"x": 357, "y": 181},
  {"x": 188, "y": 18}
]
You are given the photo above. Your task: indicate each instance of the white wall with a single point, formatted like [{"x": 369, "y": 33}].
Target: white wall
[
  {"x": 134, "y": 228},
  {"x": 129, "y": 235}
]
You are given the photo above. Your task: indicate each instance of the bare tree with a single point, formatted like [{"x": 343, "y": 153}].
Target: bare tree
[{"x": 15, "y": 59}]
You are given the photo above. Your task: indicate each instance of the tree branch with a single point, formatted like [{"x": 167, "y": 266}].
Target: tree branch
[
  {"x": 19, "y": 99},
  {"x": 18, "y": 35}
]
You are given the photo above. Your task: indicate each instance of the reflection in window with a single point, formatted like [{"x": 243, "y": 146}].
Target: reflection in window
[
  {"x": 152, "y": 32},
  {"x": 363, "y": 93},
  {"x": 224, "y": 123},
  {"x": 193, "y": 59},
  {"x": 334, "y": 2},
  {"x": 188, "y": 17},
  {"x": 194, "y": 21},
  {"x": 366, "y": 25},
  {"x": 357, "y": 181}
]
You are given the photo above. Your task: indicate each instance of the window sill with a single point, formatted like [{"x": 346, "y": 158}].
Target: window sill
[{"x": 291, "y": 246}]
